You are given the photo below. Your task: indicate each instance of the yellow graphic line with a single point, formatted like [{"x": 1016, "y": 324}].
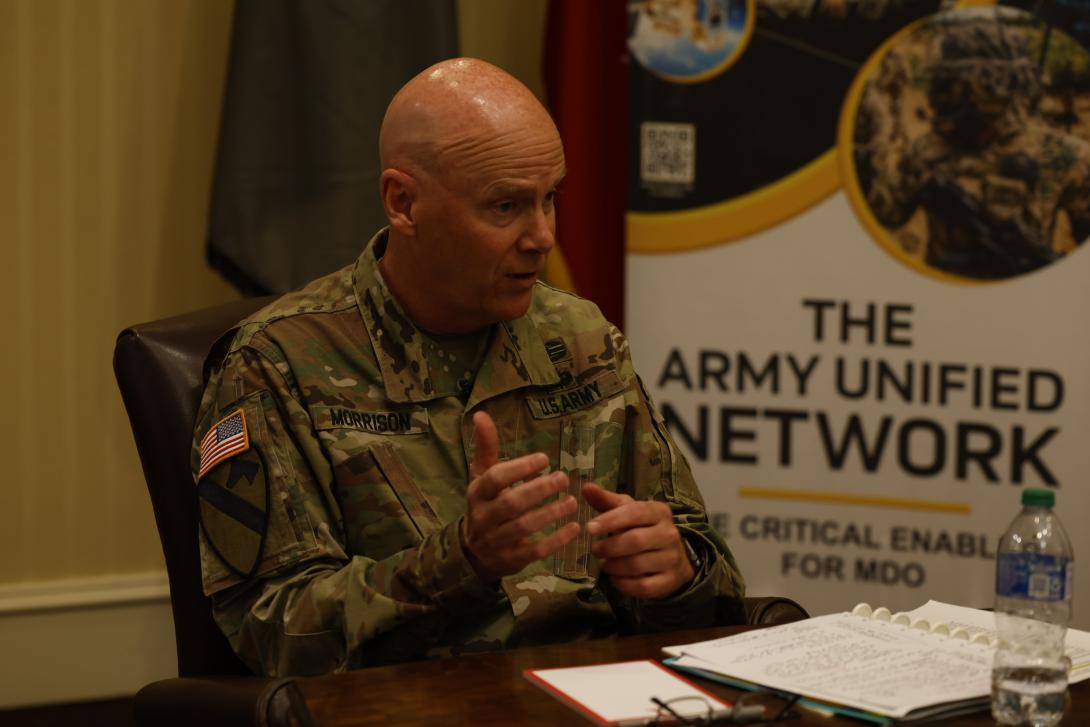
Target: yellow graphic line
[{"x": 896, "y": 503}]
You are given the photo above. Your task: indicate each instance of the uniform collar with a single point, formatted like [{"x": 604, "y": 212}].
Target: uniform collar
[{"x": 516, "y": 356}]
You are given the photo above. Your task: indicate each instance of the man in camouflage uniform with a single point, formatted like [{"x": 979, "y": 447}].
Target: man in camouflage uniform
[
  {"x": 369, "y": 450},
  {"x": 990, "y": 174}
]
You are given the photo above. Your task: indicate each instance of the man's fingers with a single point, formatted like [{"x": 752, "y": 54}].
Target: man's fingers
[
  {"x": 532, "y": 521},
  {"x": 545, "y": 547},
  {"x": 602, "y": 500},
  {"x": 491, "y": 483},
  {"x": 638, "y": 540},
  {"x": 488, "y": 444},
  {"x": 514, "y": 501},
  {"x": 632, "y": 514},
  {"x": 652, "y": 586},
  {"x": 643, "y": 564}
]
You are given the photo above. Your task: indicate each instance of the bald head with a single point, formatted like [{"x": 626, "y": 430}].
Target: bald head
[
  {"x": 440, "y": 117},
  {"x": 470, "y": 167}
]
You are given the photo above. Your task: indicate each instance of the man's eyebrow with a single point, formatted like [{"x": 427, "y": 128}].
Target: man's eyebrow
[
  {"x": 508, "y": 188},
  {"x": 515, "y": 188}
]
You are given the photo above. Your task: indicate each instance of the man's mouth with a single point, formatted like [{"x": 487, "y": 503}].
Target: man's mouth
[{"x": 523, "y": 282}]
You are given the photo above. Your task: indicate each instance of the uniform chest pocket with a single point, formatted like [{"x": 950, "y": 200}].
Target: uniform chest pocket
[
  {"x": 591, "y": 443},
  {"x": 384, "y": 510},
  {"x": 590, "y": 451}
]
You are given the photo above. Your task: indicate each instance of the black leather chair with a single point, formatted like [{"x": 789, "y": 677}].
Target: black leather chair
[{"x": 159, "y": 369}]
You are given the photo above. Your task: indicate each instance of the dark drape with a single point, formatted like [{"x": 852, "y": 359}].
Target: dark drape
[
  {"x": 587, "y": 83},
  {"x": 295, "y": 193}
]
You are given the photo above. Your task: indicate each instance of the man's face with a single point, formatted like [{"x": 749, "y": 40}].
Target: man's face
[{"x": 486, "y": 221}]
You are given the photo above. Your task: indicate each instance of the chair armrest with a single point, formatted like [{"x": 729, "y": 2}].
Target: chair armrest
[
  {"x": 773, "y": 610},
  {"x": 221, "y": 700}
]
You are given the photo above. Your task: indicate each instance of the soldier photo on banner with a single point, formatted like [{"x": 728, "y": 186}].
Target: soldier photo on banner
[{"x": 970, "y": 144}]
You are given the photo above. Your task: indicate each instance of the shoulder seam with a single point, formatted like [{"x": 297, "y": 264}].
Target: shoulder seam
[
  {"x": 263, "y": 323},
  {"x": 289, "y": 384}
]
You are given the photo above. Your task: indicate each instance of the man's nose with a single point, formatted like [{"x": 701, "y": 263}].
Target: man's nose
[{"x": 540, "y": 235}]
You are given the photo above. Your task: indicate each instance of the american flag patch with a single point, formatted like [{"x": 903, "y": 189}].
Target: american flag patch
[{"x": 226, "y": 439}]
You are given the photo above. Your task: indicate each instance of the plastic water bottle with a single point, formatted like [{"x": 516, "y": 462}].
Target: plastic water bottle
[{"x": 1033, "y": 591}]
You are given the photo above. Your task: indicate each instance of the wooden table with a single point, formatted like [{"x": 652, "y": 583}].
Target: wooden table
[{"x": 489, "y": 689}]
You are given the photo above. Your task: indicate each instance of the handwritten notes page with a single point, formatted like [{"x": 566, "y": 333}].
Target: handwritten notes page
[
  {"x": 979, "y": 624},
  {"x": 877, "y": 666}
]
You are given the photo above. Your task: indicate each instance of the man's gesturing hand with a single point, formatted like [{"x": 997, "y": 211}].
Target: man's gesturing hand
[
  {"x": 500, "y": 519},
  {"x": 644, "y": 555}
]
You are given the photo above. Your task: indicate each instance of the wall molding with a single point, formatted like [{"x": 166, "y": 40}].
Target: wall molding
[
  {"x": 82, "y": 639},
  {"x": 76, "y": 593}
]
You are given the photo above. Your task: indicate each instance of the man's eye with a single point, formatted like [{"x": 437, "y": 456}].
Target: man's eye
[{"x": 504, "y": 208}]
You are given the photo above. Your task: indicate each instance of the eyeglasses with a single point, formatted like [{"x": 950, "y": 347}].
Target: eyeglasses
[{"x": 749, "y": 708}]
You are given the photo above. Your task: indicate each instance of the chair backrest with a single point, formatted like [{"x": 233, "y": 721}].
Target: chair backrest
[{"x": 158, "y": 367}]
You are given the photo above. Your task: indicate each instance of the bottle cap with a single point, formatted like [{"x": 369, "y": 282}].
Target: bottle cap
[{"x": 1038, "y": 497}]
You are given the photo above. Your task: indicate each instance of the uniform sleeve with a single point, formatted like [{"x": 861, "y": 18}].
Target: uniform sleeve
[
  {"x": 288, "y": 596},
  {"x": 654, "y": 469}
]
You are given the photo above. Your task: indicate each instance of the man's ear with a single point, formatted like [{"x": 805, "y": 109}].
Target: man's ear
[{"x": 399, "y": 191}]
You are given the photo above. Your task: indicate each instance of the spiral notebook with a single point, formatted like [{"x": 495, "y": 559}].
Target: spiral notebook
[{"x": 934, "y": 661}]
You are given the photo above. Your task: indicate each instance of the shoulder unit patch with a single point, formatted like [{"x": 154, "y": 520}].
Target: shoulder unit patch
[
  {"x": 224, "y": 440},
  {"x": 233, "y": 491}
]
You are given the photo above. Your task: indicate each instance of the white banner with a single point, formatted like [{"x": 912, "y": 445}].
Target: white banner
[{"x": 873, "y": 360}]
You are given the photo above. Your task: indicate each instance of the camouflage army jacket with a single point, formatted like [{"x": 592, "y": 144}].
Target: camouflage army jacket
[{"x": 331, "y": 476}]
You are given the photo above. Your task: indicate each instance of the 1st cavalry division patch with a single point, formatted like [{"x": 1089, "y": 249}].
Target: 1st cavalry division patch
[{"x": 233, "y": 493}]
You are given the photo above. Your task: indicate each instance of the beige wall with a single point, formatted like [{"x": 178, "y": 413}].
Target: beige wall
[
  {"x": 509, "y": 33},
  {"x": 107, "y": 143},
  {"x": 107, "y": 139},
  {"x": 106, "y": 149}
]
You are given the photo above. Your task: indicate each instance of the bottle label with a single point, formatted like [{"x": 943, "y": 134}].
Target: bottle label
[{"x": 1034, "y": 576}]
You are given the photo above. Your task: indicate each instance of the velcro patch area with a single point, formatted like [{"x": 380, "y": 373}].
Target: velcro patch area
[{"x": 227, "y": 438}]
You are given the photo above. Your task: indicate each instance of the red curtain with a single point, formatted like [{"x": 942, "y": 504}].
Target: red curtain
[{"x": 586, "y": 80}]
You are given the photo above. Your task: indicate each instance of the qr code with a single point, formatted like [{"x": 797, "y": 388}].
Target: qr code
[
  {"x": 667, "y": 153},
  {"x": 1040, "y": 586}
]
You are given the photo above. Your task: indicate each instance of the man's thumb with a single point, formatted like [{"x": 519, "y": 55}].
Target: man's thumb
[
  {"x": 602, "y": 500},
  {"x": 488, "y": 444}
]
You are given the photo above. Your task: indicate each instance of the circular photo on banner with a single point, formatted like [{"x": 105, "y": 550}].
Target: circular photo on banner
[
  {"x": 717, "y": 161},
  {"x": 688, "y": 41},
  {"x": 965, "y": 144}
]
